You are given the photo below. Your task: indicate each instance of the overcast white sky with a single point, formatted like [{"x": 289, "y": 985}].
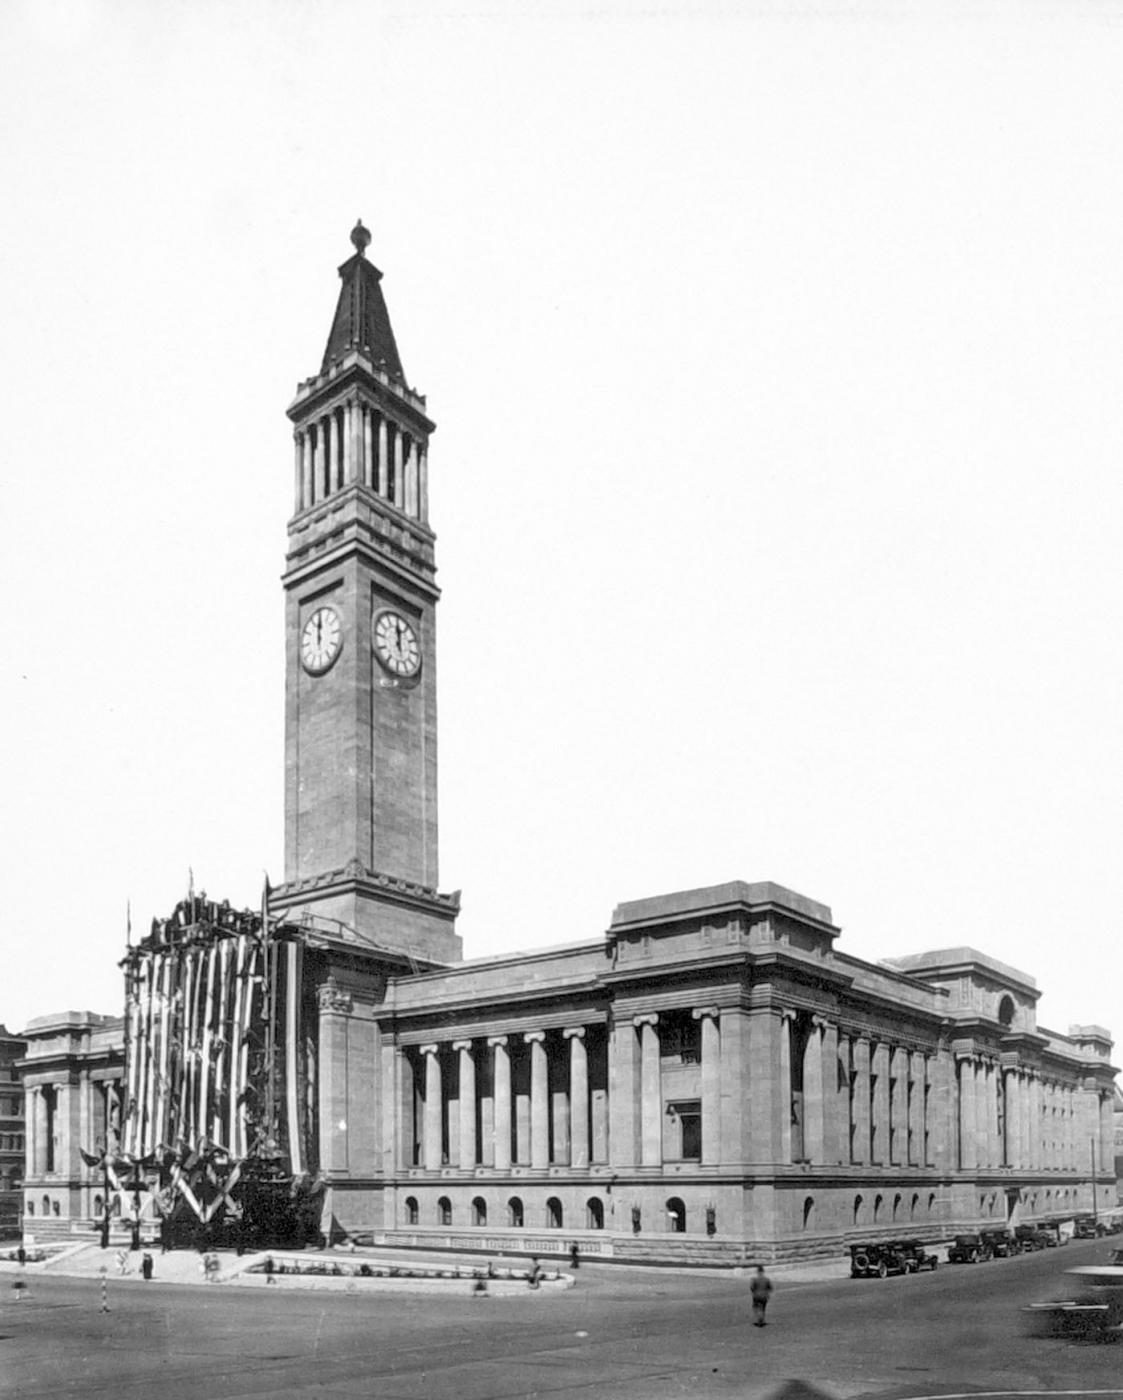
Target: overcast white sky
[{"x": 775, "y": 352}]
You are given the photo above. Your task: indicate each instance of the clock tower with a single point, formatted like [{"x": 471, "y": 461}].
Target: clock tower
[{"x": 361, "y": 595}]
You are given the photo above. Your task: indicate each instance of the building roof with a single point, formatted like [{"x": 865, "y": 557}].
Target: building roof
[{"x": 362, "y": 321}]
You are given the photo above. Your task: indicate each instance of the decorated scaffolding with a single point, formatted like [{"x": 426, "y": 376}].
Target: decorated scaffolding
[{"x": 216, "y": 1135}]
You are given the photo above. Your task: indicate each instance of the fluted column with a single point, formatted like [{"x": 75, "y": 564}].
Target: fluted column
[
  {"x": 813, "y": 1092},
  {"x": 410, "y": 494},
  {"x": 785, "y": 1104},
  {"x": 399, "y": 468},
  {"x": 369, "y": 469},
  {"x": 651, "y": 1115},
  {"x": 383, "y": 457},
  {"x": 431, "y": 1143},
  {"x": 423, "y": 486},
  {"x": 843, "y": 1109},
  {"x": 1010, "y": 1093},
  {"x": 539, "y": 1103},
  {"x": 298, "y": 472},
  {"x": 467, "y": 1134},
  {"x": 879, "y": 1104},
  {"x": 501, "y": 1092},
  {"x": 333, "y": 447},
  {"x": 319, "y": 463},
  {"x": 860, "y": 1052},
  {"x": 707, "y": 1016},
  {"x": 915, "y": 1155},
  {"x": 308, "y": 468},
  {"x": 578, "y": 1096}
]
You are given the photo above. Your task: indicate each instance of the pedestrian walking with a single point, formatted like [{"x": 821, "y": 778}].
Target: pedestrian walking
[
  {"x": 761, "y": 1289},
  {"x": 574, "y": 1256},
  {"x": 146, "y": 1266},
  {"x": 104, "y": 1289}
]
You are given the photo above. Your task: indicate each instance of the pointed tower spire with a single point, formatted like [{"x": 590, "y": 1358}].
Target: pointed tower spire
[{"x": 361, "y": 320}]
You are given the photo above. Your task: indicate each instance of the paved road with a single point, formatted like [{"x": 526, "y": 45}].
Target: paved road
[{"x": 620, "y": 1335}]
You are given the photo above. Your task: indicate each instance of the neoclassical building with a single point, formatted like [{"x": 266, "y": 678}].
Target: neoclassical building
[{"x": 709, "y": 1079}]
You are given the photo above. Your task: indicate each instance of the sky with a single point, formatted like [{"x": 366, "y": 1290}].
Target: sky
[{"x": 775, "y": 356}]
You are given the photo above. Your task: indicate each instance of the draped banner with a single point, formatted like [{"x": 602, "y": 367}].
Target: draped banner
[{"x": 217, "y": 1060}]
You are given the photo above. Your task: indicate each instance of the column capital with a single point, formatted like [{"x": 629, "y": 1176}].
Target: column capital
[
  {"x": 499, "y": 1041},
  {"x": 821, "y": 1024},
  {"x": 534, "y": 1037},
  {"x": 462, "y": 1044},
  {"x": 649, "y": 1018},
  {"x": 574, "y": 1032},
  {"x": 787, "y": 1014},
  {"x": 428, "y": 1049},
  {"x": 699, "y": 1012}
]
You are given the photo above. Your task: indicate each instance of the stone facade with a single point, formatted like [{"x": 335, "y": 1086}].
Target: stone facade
[
  {"x": 711, "y": 1080},
  {"x": 12, "y": 1145},
  {"x": 71, "y": 1075}
]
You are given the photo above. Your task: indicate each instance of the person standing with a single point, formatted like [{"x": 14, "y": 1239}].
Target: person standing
[{"x": 761, "y": 1290}]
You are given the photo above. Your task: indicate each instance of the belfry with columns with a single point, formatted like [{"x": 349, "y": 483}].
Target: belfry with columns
[{"x": 709, "y": 1080}]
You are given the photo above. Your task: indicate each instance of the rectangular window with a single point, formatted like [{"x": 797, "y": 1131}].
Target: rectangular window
[{"x": 688, "y": 1115}]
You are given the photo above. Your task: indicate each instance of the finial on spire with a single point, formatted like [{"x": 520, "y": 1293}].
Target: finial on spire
[{"x": 360, "y": 237}]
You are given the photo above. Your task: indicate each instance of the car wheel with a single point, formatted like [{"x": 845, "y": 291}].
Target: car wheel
[{"x": 882, "y": 1270}]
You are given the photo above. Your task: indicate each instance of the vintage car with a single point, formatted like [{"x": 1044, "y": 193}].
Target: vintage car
[
  {"x": 877, "y": 1260},
  {"x": 968, "y": 1249},
  {"x": 916, "y": 1257},
  {"x": 1030, "y": 1237},
  {"x": 1002, "y": 1243},
  {"x": 1091, "y": 1311}
]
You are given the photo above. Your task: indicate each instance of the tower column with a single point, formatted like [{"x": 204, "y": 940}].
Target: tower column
[
  {"x": 298, "y": 471},
  {"x": 431, "y": 1145},
  {"x": 501, "y": 1091},
  {"x": 336, "y": 479},
  {"x": 651, "y": 1138},
  {"x": 368, "y": 446},
  {"x": 539, "y": 1107},
  {"x": 467, "y": 1133},
  {"x": 399, "y": 471},
  {"x": 707, "y": 1016},
  {"x": 308, "y": 491},
  {"x": 578, "y": 1096},
  {"x": 423, "y": 485},
  {"x": 383, "y": 457}
]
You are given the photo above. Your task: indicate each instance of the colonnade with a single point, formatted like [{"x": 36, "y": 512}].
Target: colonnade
[
  {"x": 1014, "y": 1116},
  {"x": 504, "y": 1100},
  {"x": 354, "y": 441},
  {"x": 854, "y": 1099}
]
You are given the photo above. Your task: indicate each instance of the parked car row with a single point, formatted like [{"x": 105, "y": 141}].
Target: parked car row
[
  {"x": 889, "y": 1257},
  {"x": 1002, "y": 1244}
]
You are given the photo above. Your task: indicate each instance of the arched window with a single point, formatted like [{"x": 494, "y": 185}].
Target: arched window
[
  {"x": 479, "y": 1211},
  {"x": 808, "y": 1207},
  {"x": 30, "y": 1206},
  {"x": 1006, "y": 1011},
  {"x": 411, "y": 1210},
  {"x": 46, "y": 1205},
  {"x": 913, "y": 1205},
  {"x": 444, "y": 1210},
  {"x": 54, "y": 1207},
  {"x": 676, "y": 1216},
  {"x": 98, "y": 1205},
  {"x": 553, "y": 1214},
  {"x": 877, "y": 1202},
  {"x": 857, "y": 1208},
  {"x": 594, "y": 1213},
  {"x": 931, "y": 1201},
  {"x": 515, "y": 1212},
  {"x": 897, "y": 1199}
]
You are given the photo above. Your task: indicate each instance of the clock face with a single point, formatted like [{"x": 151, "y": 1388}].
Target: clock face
[
  {"x": 321, "y": 641},
  {"x": 396, "y": 644}
]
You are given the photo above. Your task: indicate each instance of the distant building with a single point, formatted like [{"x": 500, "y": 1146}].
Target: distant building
[
  {"x": 11, "y": 1131},
  {"x": 710, "y": 1079}
]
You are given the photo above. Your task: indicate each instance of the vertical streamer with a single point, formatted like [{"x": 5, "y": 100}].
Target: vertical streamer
[{"x": 292, "y": 1045}]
